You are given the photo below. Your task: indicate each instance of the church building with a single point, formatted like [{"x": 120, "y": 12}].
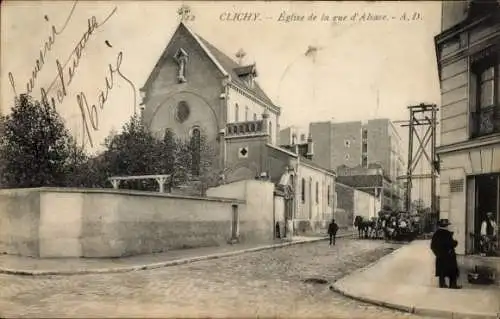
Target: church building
[{"x": 195, "y": 89}]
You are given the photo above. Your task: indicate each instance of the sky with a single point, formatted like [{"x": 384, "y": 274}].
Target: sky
[{"x": 354, "y": 61}]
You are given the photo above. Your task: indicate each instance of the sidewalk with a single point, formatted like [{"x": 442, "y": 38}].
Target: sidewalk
[
  {"x": 405, "y": 280},
  {"x": 19, "y": 265}
]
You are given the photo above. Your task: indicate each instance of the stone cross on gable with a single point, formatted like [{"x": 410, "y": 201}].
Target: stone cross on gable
[{"x": 240, "y": 55}]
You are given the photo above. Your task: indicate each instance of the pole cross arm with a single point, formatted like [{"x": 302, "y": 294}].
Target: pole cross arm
[{"x": 427, "y": 117}]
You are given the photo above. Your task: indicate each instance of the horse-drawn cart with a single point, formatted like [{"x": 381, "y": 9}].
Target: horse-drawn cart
[{"x": 389, "y": 225}]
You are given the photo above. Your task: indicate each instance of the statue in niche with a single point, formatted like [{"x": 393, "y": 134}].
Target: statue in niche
[{"x": 181, "y": 58}]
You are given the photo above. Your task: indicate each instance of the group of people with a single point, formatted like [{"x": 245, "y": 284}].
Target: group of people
[
  {"x": 443, "y": 246},
  {"x": 399, "y": 226},
  {"x": 389, "y": 226}
]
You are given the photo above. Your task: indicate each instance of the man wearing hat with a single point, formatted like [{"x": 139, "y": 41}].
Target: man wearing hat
[
  {"x": 443, "y": 246},
  {"x": 489, "y": 233},
  {"x": 332, "y": 231}
]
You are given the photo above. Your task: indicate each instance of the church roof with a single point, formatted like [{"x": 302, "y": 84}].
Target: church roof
[
  {"x": 246, "y": 69},
  {"x": 233, "y": 68},
  {"x": 224, "y": 63}
]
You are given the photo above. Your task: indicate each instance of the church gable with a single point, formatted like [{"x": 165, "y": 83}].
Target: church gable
[{"x": 184, "y": 60}]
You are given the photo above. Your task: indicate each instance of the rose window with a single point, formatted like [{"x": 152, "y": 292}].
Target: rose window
[{"x": 182, "y": 112}]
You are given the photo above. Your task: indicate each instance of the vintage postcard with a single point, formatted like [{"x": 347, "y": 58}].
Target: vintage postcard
[{"x": 249, "y": 159}]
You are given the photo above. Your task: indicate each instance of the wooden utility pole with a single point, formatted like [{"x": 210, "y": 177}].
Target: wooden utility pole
[{"x": 422, "y": 115}]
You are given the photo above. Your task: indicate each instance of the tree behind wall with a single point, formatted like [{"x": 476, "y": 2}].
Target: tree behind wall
[
  {"x": 137, "y": 151},
  {"x": 35, "y": 147},
  {"x": 134, "y": 151},
  {"x": 208, "y": 175}
]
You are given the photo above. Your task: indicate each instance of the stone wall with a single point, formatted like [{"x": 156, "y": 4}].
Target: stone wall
[
  {"x": 366, "y": 205},
  {"x": 51, "y": 222},
  {"x": 256, "y": 221},
  {"x": 19, "y": 222},
  {"x": 345, "y": 198},
  {"x": 352, "y": 202}
]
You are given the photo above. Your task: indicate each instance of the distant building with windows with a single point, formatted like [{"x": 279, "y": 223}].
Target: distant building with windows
[
  {"x": 292, "y": 135},
  {"x": 360, "y": 145},
  {"x": 468, "y": 60}
]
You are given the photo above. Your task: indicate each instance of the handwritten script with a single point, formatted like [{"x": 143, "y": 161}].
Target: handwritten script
[
  {"x": 47, "y": 47},
  {"x": 66, "y": 72},
  {"x": 90, "y": 114}
]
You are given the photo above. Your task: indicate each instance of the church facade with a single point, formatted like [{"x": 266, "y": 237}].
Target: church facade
[{"x": 195, "y": 89}]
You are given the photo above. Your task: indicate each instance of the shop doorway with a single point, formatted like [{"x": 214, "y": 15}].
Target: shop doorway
[{"x": 483, "y": 197}]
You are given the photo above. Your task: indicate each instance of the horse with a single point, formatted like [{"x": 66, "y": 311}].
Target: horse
[{"x": 358, "y": 223}]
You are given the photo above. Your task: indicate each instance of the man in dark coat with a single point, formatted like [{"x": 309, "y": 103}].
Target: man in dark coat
[
  {"x": 332, "y": 231},
  {"x": 443, "y": 246}
]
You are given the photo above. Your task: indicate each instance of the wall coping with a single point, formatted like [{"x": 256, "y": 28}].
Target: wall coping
[{"x": 121, "y": 192}]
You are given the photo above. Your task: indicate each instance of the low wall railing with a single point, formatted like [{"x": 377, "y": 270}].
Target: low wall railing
[{"x": 243, "y": 128}]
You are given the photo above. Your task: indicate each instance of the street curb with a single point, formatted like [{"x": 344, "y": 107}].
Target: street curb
[
  {"x": 405, "y": 308},
  {"x": 415, "y": 310},
  {"x": 170, "y": 263}
]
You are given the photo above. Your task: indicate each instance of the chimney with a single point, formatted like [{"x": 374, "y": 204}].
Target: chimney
[{"x": 310, "y": 147}]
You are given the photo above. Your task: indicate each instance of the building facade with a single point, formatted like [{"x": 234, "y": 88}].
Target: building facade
[
  {"x": 355, "y": 202},
  {"x": 360, "y": 145},
  {"x": 307, "y": 190},
  {"x": 195, "y": 89},
  {"x": 468, "y": 57},
  {"x": 292, "y": 135}
]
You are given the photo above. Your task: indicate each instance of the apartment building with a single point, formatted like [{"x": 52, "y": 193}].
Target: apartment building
[
  {"x": 468, "y": 58},
  {"x": 361, "y": 144}
]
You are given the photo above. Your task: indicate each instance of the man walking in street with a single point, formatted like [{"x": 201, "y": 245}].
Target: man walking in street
[
  {"x": 443, "y": 246},
  {"x": 332, "y": 231}
]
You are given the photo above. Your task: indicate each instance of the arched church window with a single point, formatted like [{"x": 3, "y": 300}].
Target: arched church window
[{"x": 195, "y": 151}]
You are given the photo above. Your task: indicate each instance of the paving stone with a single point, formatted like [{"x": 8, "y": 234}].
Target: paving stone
[{"x": 264, "y": 283}]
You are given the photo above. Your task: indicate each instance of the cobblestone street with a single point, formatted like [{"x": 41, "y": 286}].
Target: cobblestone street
[{"x": 265, "y": 283}]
